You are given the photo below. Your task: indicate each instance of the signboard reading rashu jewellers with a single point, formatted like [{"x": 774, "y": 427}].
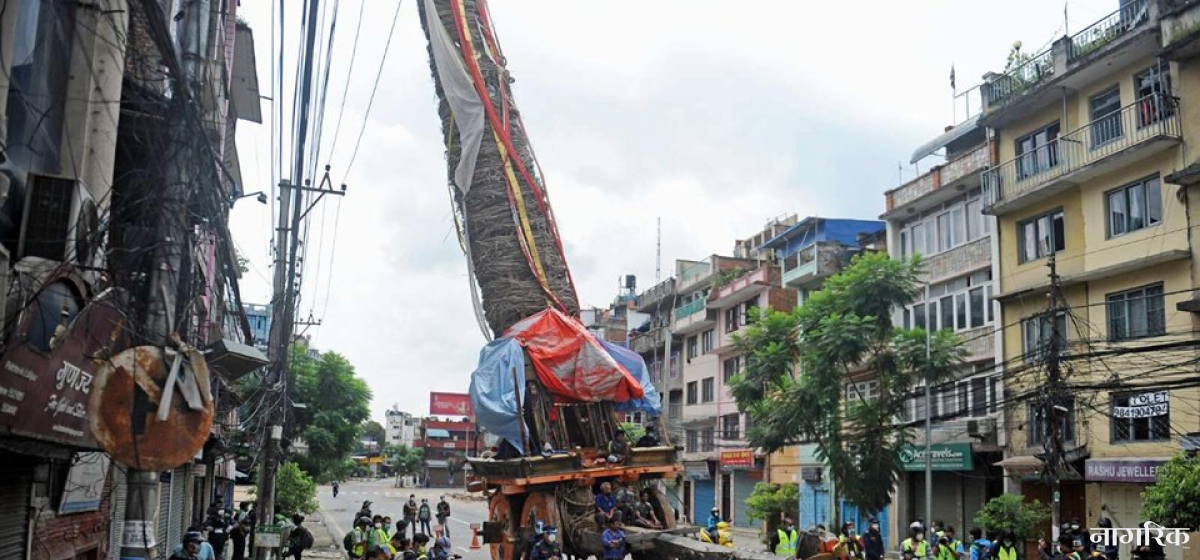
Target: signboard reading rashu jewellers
[{"x": 1122, "y": 470}]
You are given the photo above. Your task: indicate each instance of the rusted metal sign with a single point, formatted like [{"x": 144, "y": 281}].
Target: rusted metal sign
[
  {"x": 125, "y": 403},
  {"x": 48, "y": 371}
]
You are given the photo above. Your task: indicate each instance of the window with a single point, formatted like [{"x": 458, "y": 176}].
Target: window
[
  {"x": 732, "y": 367},
  {"x": 1136, "y": 314},
  {"x": 692, "y": 345},
  {"x": 691, "y": 392},
  {"x": 731, "y": 319},
  {"x": 1134, "y": 207},
  {"x": 1106, "y": 117},
  {"x": 959, "y": 304},
  {"x": 633, "y": 418},
  {"x": 1042, "y": 235},
  {"x": 1153, "y": 95},
  {"x": 945, "y": 226},
  {"x": 693, "y": 441},
  {"x": 707, "y": 394},
  {"x": 1037, "y": 152},
  {"x": 866, "y": 390},
  {"x": 706, "y": 440},
  {"x": 706, "y": 341},
  {"x": 1038, "y": 331},
  {"x": 1038, "y": 426},
  {"x": 730, "y": 425},
  {"x": 1141, "y": 417}
]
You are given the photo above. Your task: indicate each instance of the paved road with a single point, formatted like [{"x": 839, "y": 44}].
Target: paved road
[{"x": 388, "y": 500}]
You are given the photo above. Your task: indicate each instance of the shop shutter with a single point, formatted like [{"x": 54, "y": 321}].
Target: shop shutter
[
  {"x": 743, "y": 486},
  {"x": 175, "y": 530},
  {"x": 974, "y": 496},
  {"x": 16, "y": 479},
  {"x": 705, "y": 498},
  {"x": 946, "y": 488},
  {"x": 117, "y": 508},
  {"x": 162, "y": 520}
]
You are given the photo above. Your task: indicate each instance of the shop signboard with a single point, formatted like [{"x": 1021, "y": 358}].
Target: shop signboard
[
  {"x": 1122, "y": 470},
  {"x": 451, "y": 404},
  {"x": 944, "y": 457},
  {"x": 737, "y": 459}
]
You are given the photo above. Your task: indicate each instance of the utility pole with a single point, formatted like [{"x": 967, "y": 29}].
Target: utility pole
[
  {"x": 928, "y": 430},
  {"x": 1052, "y": 401}
]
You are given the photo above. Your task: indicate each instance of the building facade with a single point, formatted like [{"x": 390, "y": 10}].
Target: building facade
[
  {"x": 939, "y": 217},
  {"x": 400, "y": 427},
  {"x": 1090, "y": 162}
]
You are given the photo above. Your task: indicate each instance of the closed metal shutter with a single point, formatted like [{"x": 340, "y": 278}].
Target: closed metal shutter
[
  {"x": 16, "y": 479},
  {"x": 947, "y": 492},
  {"x": 704, "y": 499},
  {"x": 743, "y": 486},
  {"x": 178, "y": 495},
  {"x": 116, "y": 529},
  {"x": 974, "y": 496},
  {"x": 165, "y": 482}
]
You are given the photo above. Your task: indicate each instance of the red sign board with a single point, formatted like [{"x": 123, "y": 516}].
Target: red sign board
[
  {"x": 451, "y": 404},
  {"x": 739, "y": 459}
]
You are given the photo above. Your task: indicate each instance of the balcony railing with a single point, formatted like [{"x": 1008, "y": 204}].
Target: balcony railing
[
  {"x": 689, "y": 309},
  {"x": 1108, "y": 29},
  {"x": 1024, "y": 76},
  {"x": 1151, "y": 117}
]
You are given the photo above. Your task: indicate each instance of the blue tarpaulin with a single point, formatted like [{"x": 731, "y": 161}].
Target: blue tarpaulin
[
  {"x": 493, "y": 389},
  {"x": 630, "y": 360}
]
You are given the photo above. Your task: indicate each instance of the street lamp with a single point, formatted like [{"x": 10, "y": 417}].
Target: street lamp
[{"x": 262, "y": 197}]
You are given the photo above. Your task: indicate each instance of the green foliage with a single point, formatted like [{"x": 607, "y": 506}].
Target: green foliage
[
  {"x": 295, "y": 491},
  {"x": 1010, "y": 512},
  {"x": 337, "y": 403},
  {"x": 1174, "y": 499},
  {"x": 374, "y": 431},
  {"x": 633, "y": 432},
  {"x": 726, "y": 276},
  {"x": 405, "y": 460},
  {"x": 769, "y": 502},
  {"x": 797, "y": 362}
]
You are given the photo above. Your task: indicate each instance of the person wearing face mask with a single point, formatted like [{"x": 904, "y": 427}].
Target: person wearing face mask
[
  {"x": 1007, "y": 549},
  {"x": 784, "y": 541},
  {"x": 443, "y": 515},
  {"x": 547, "y": 548},
  {"x": 955, "y": 545},
  {"x": 850, "y": 539},
  {"x": 873, "y": 547},
  {"x": 424, "y": 515},
  {"x": 410, "y": 513},
  {"x": 914, "y": 546},
  {"x": 376, "y": 535},
  {"x": 1110, "y": 551},
  {"x": 1079, "y": 538}
]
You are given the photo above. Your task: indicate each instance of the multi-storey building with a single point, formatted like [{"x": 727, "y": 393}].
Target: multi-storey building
[
  {"x": 808, "y": 252},
  {"x": 400, "y": 427},
  {"x": 660, "y": 349},
  {"x": 939, "y": 216},
  {"x": 1089, "y": 149}
]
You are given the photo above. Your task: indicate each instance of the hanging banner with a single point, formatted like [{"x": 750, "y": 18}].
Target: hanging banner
[
  {"x": 739, "y": 459},
  {"x": 1145, "y": 405}
]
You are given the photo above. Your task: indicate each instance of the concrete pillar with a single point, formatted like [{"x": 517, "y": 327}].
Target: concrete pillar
[{"x": 93, "y": 104}]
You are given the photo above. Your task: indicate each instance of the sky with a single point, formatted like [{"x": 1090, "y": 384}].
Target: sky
[{"x": 714, "y": 117}]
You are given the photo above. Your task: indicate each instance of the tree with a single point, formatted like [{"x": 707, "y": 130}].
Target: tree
[
  {"x": 1010, "y": 512},
  {"x": 797, "y": 362},
  {"x": 336, "y": 403},
  {"x": 405, "y": 460},
  {"x": 769, "y": 502},
  {"x": 295, "y": 491},
  {"x": 1174, "y": 499},
  {"x": 374, "y": 431}
]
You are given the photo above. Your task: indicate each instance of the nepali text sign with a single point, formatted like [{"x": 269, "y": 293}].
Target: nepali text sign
[
  {"x": 450, "y": 404},
  {"x": 1145, "y": 405},
  {"x": 739, "y": 459},
  {"x": 1122, "y": 470},
  {"x": 943, "y": 457}
]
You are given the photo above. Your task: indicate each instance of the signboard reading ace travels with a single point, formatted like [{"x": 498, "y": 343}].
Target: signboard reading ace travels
[{"x": 945, "y": 457}]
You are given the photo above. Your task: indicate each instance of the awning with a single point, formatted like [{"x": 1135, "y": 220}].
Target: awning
[
  {"x": 947, "y": 137},
  {"x": 696, "y": 470},
  {"x": 244, "y": 79},
  {"x": 1020, "y": 463},
  {"x": 437, "y": 433}
]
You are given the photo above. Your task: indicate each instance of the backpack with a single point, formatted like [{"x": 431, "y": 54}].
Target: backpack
[
  {"x": 348, "y": 541},
  {"x": 984, "y": 552},
  {"x": 303, "y": 538}
]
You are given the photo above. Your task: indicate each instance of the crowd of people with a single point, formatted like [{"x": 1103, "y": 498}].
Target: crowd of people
[
  {"x": 411, "y": 537},
  {"x": 224, "y": 534}
]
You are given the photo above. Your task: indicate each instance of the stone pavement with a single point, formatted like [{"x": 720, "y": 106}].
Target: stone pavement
[{"x": 326, "y": 546}]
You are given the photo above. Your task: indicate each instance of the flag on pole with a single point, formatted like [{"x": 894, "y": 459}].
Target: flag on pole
[{"x": 952, "y": 76}]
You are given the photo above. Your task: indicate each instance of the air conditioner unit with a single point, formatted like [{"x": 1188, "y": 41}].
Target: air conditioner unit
[
  {"x": 61, "y": 223},
  {"x": 982, "y": 429}
]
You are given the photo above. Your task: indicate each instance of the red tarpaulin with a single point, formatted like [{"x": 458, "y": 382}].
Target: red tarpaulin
[{"x": 570, "y": 362}]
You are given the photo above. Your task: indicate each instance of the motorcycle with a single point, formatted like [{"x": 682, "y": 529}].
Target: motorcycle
[{"x": 723, "y": 536}]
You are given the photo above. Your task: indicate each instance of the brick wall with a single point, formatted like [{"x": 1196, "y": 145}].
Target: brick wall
[
  {"x": 58, "y": 537},
  {"x": 781, "y": 299}
]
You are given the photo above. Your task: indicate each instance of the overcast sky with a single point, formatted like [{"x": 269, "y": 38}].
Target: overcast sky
[{"x": 714, "y": 116}]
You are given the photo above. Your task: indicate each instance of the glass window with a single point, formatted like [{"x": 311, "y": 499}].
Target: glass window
[
  {"x": 1038, "y": 427},
  {"x": 732, "y": 367},
  {"x": 1141, "y": 417},
  {"x": 730, "y": 426},
  {"x": 979, "y": 396},
  {"x": 960, "y": 311},
  {"x": 1038, "y": 331},
  {"x": 1106, "y": 117},
  {"x": 692, "y": 347},
  {"x": 918, "y": 239},
  {"x": 1153, "y": 95},
  {"x": 1041, "y": 236},
  {"x": 706, "y": 341},
  {"x": 904, "y": 244},
  {"x": 1134, "y": 207},
  {"x": 1136, "y": 314},
  {"x": 945, "y": 232},
  {"x": 692, "y": 393},
  {"x": 707, "y": 393},
  {"x": 1037, "y": 152},
  {"x": 918, "y": 314},
  {"x": 958, "y": 225},
  {"x": 706, "y": 440},
  {"x": 978, "y": 309},
  {"x": 947, "y": 317}
]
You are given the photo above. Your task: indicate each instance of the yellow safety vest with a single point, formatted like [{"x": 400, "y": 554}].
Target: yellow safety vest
[
  {"x": 1009, "y": 553},
  {"x": 787, "y": 543},
  {"x": 359, "y": 543},
  {"x": 919, "y": 550}
]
